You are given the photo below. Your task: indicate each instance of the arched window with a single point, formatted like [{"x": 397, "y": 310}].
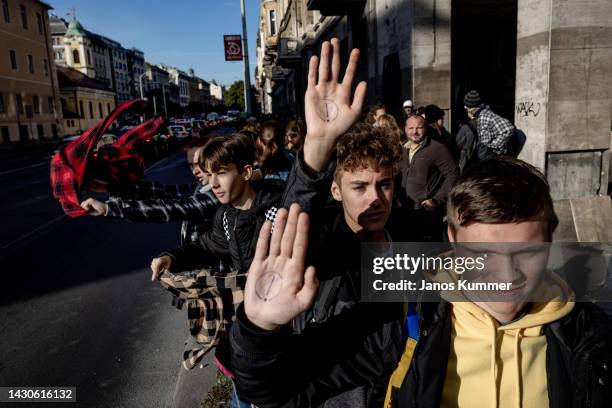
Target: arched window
[{"x": 76, "y": 57}]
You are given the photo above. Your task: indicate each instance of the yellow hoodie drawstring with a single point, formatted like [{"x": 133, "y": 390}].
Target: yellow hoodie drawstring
[{"x": 517, "y": 362}]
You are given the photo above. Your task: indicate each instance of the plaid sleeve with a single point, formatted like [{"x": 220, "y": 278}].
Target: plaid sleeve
[
  {"x": 494, "y": 131},
  {"x": 196, "y": 207},
  {"x": 147, "y": 190}
]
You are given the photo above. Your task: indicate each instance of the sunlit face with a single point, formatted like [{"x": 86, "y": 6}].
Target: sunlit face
[
  {"x": 228, "y": 183},
  {"x": 366, "y": 197},
  {"x": 293, "y": 141},
  {"x": 415, "y": 129},
  {"x": 193, "y": 158},
  {"x": 516, "y": 253}
]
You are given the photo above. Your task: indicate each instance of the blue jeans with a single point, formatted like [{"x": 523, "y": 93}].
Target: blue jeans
[{"x": 236, "y": 402}]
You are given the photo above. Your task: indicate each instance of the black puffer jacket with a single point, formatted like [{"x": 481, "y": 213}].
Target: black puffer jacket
[{"x": 578, "y": 360}]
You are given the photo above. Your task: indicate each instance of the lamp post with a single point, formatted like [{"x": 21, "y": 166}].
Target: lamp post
[
  {"x": 245, "y": 53},
  {"x": 140, "y": 84},
  {"x": 163, "y": 95}
]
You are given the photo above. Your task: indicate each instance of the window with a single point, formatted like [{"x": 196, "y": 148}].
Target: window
[
  {"x": 41, "y": 131},
  {"x": 2, "y": 108},
  {"x": 19, "y": 101},
  {"x": 100, "y": 110},
  {"x": 13, "y": 56},
  {"x": 108, "y": 108},
  {"x": 75, "y": 57},
  {"x": 51, "y": 104},
  {"x": 30, "y": 64},
  {"x": 54, "y": 130},
  {"x": 5, "y": 11},
  {"x": 39, "y": 23},
  {"x": 91, "y": 115},
  {"x": 36, "y": 103},
  {"x": 88, "y": 57},
  {"x": 46, "y": 67},
  {"x": 82, "y": 111},
  {"x": 272, "y": 22},
  {"x": 24, "y": 17}
]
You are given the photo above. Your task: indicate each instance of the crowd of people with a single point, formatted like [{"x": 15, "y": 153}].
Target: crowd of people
[{"x": 284, "y": 210}]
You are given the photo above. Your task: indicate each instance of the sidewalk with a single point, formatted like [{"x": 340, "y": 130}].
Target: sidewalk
[{"x": 193, "y": 386}]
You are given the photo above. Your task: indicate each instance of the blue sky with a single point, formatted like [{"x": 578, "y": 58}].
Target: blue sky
[{"x": 181, "y": 33}]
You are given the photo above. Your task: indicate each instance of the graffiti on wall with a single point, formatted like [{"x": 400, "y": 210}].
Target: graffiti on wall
[{"x": 528, "y": 108}]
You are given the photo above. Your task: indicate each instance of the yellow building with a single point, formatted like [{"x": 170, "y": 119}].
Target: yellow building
[
  {"x": 29, "y": 94},
  {"x": 85, "y": 101}
]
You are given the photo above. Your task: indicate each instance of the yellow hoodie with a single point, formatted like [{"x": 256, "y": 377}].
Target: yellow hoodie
[{"x": 501, "y": 365}]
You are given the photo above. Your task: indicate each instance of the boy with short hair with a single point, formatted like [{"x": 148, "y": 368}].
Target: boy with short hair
[
  {"x": 323, "y": 346},
  {"x": 228, "y": 164},
  {"x": 547, "y": 351}
]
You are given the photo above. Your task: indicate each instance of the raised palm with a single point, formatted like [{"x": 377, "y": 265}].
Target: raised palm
[
  {"x": 328, "y": 107},
  {"x": 278, "y": 289}
]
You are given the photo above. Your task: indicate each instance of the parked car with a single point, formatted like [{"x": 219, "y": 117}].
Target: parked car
[
  {"x": 212, "y": 116},
  {"x": 179, "y": 131}
]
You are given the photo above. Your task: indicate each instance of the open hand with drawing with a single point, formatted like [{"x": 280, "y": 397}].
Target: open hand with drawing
[
  {"x": 330, "y": 110},
  {"x": 278, "y": 287}
]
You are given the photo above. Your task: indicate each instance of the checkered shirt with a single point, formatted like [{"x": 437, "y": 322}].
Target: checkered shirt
[{"x": 493, "y": 130}]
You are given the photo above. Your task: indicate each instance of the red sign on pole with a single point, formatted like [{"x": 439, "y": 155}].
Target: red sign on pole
[{"x": 233, "y": 47}]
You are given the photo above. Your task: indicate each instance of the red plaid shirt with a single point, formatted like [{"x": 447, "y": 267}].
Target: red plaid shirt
[{"x": 74, "y": 168}]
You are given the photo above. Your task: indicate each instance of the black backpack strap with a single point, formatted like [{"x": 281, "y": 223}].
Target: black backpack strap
[{"x": 327, "y": 295}]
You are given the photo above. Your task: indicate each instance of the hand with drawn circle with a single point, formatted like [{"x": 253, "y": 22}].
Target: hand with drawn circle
[
  {"x": 278, "y": 287},
  {"x": 328, "y": 107}
]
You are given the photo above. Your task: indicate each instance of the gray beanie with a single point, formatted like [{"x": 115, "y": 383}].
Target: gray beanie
[{"x": 472, "y": 99}]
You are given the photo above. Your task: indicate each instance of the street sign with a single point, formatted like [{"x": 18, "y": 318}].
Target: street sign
[{"x": 233, "y": 47}]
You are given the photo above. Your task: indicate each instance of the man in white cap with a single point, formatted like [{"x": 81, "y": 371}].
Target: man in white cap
[{"x": 408, "y": 108}]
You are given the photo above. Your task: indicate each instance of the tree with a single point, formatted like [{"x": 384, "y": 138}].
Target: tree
[{"x": 234, "y": 96}]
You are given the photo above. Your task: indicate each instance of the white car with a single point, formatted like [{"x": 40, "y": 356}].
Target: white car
[
  {"x": 212, "y": 116},
  {"x": 179, "y": 131}
]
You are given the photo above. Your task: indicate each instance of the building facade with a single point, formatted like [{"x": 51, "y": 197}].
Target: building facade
[
  {"x": 181, "y": 80},
  {"x": 136, "y": 70},
  {"x": 216, "y": 93},
  {"x": 543, "y": 64},
  {"x": 29, "y": 93},
  {"x": 97, "y": 57},
  {"x": 85, "y": 101},
  {"x": 199, "y": 92}
]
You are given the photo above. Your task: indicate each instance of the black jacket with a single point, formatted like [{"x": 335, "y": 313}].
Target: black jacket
[
  {"x": 233, "y": 235},
  {"x": 340, "y": 349},
  {"x": 431, "y": 173},
  {"x": 578, "y": 360}
]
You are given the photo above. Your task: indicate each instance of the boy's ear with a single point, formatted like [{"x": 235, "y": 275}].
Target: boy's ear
[
  {"x": 450, "y": 231},
  {"x": 336, "y": 192},
  {"x": 247, "y": 172}
]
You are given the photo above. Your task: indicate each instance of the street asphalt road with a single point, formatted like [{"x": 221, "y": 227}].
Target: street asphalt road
[{"x": 77, "y": 307}]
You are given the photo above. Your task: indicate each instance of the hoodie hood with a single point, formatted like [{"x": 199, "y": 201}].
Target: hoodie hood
[{"x": 508, "y": 359}]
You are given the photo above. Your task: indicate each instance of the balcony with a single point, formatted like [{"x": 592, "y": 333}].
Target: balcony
[
  {"x": 337, "y": 7},
  {"x": 288, "y": 53}
]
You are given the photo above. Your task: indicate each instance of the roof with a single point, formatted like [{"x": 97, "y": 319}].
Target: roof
[
  {"x": 71, "y": 77},
  {"x": 42, "y": 3},
  {"x": 57, "y": 25},
  {"x": 75, "y": 29}
]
